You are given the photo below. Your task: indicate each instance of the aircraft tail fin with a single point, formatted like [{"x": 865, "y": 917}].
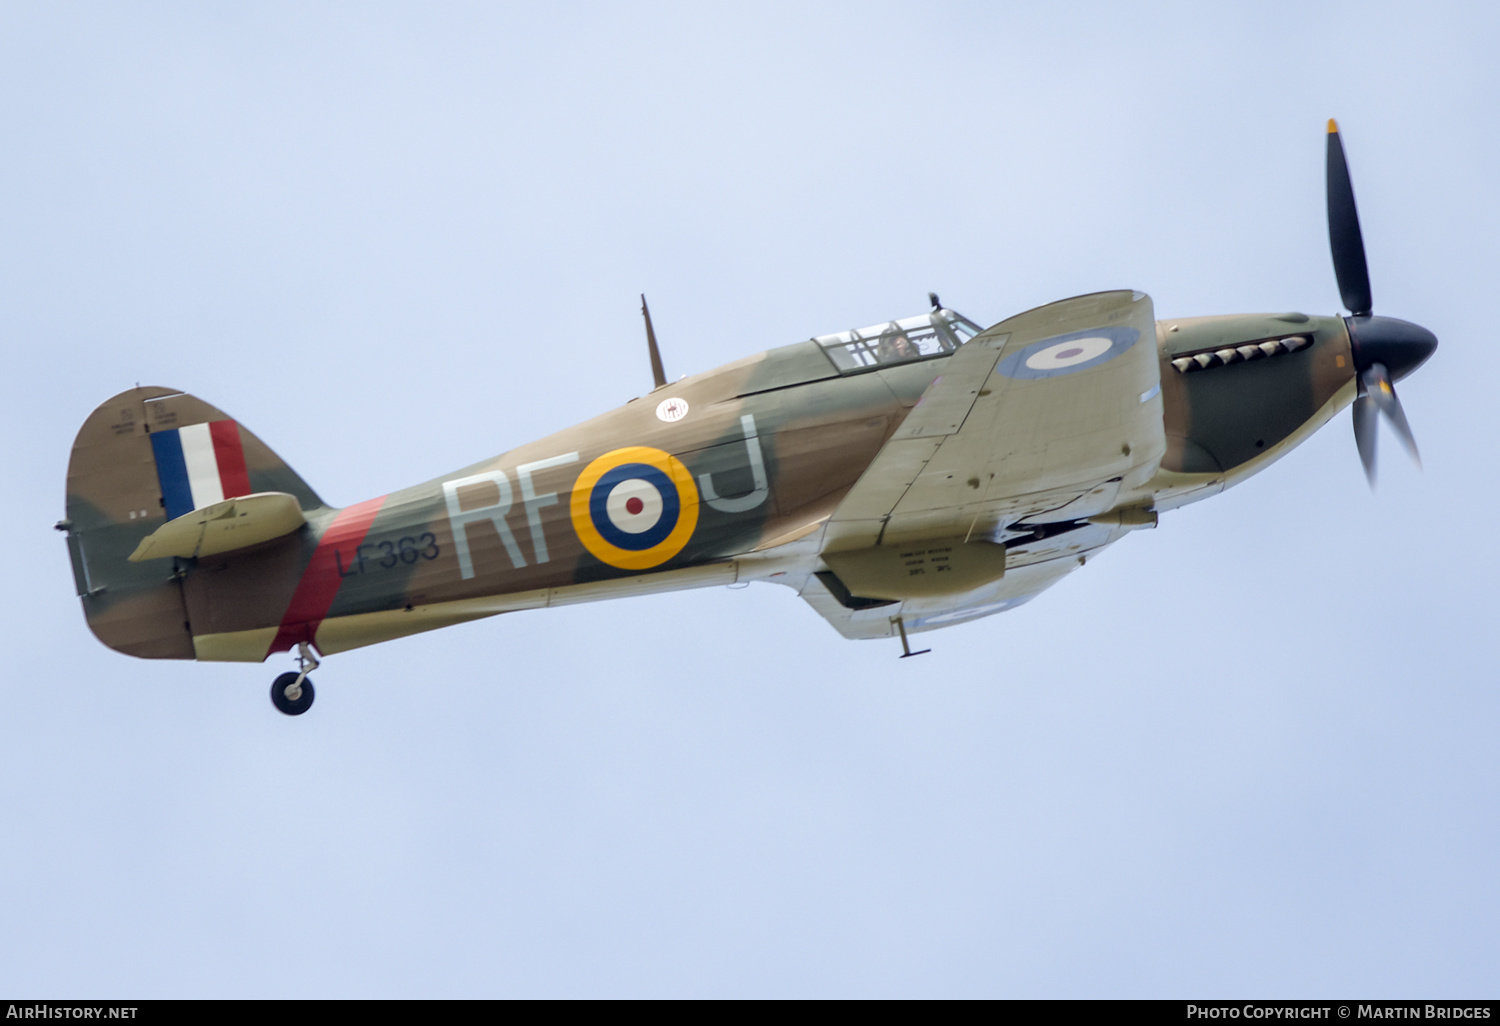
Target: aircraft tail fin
[{"x": 141, "y": 459}]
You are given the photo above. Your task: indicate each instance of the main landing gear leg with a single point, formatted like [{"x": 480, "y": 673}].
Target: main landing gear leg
[
  {"x": 906, "y": 652},
  {"x": 292, "y": 693}
]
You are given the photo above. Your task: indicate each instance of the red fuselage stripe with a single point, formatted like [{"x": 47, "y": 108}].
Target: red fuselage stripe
[
  {"x": 320, "y": 581},
  {"x": 229, "y": 452}
]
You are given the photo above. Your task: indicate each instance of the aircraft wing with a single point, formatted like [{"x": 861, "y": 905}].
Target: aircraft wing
[{"x": 1042, "y": 419}]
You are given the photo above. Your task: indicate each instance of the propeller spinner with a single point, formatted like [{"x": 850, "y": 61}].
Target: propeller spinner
[{"x": 1385, "y": 349}]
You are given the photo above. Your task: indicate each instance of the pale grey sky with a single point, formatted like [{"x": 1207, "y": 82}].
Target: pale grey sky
[{"x": 1250, "y": 753}]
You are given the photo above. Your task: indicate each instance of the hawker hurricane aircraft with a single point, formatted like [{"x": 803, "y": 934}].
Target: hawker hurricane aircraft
[{"x": 903, "y": 477}]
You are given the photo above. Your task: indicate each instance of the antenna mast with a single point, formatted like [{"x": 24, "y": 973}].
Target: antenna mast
[{"x": 656, "y": 369}]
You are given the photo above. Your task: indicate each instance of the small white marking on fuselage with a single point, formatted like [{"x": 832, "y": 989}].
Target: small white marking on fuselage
[{"x": 671, "y": 410}]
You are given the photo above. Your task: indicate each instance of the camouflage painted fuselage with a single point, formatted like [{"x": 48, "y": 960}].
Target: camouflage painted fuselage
[{"x": 743, "y": 467}]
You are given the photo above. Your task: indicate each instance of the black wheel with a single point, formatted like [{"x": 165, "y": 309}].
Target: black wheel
[{"x": 285, "y": 704}]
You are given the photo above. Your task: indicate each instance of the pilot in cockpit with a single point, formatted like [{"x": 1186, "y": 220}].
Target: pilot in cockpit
[{"x": 895, "y": 348}]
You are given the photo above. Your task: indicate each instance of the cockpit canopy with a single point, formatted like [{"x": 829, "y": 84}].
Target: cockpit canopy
[{"x": 923, "y": 337}]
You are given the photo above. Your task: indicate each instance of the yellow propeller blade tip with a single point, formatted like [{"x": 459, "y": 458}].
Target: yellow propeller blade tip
[{"x": 1333, "y": 127}]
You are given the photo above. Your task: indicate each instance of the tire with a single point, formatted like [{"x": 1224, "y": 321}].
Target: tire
[{"x": 286, "y": 705}]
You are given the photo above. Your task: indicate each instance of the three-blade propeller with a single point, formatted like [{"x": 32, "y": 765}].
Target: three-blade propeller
[{"x": 1385, "y": 349}]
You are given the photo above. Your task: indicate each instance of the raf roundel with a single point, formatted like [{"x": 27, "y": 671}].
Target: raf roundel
[
  {"x": 1065, "y": 354},
  {"x": 635, "y": 508}
]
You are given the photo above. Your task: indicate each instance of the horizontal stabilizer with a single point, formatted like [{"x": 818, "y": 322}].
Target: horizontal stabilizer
[{"x": 223, "y": 527}]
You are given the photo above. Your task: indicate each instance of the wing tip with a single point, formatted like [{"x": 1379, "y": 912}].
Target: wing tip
[{"x": 1333, "y": 127}]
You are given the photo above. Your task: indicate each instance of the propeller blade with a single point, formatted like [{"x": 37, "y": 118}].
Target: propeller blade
[
  {"x": 1344, "y": 237},
  {"x": 1366, "y": 418},
  {"x": 1378, "y": 387}
]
